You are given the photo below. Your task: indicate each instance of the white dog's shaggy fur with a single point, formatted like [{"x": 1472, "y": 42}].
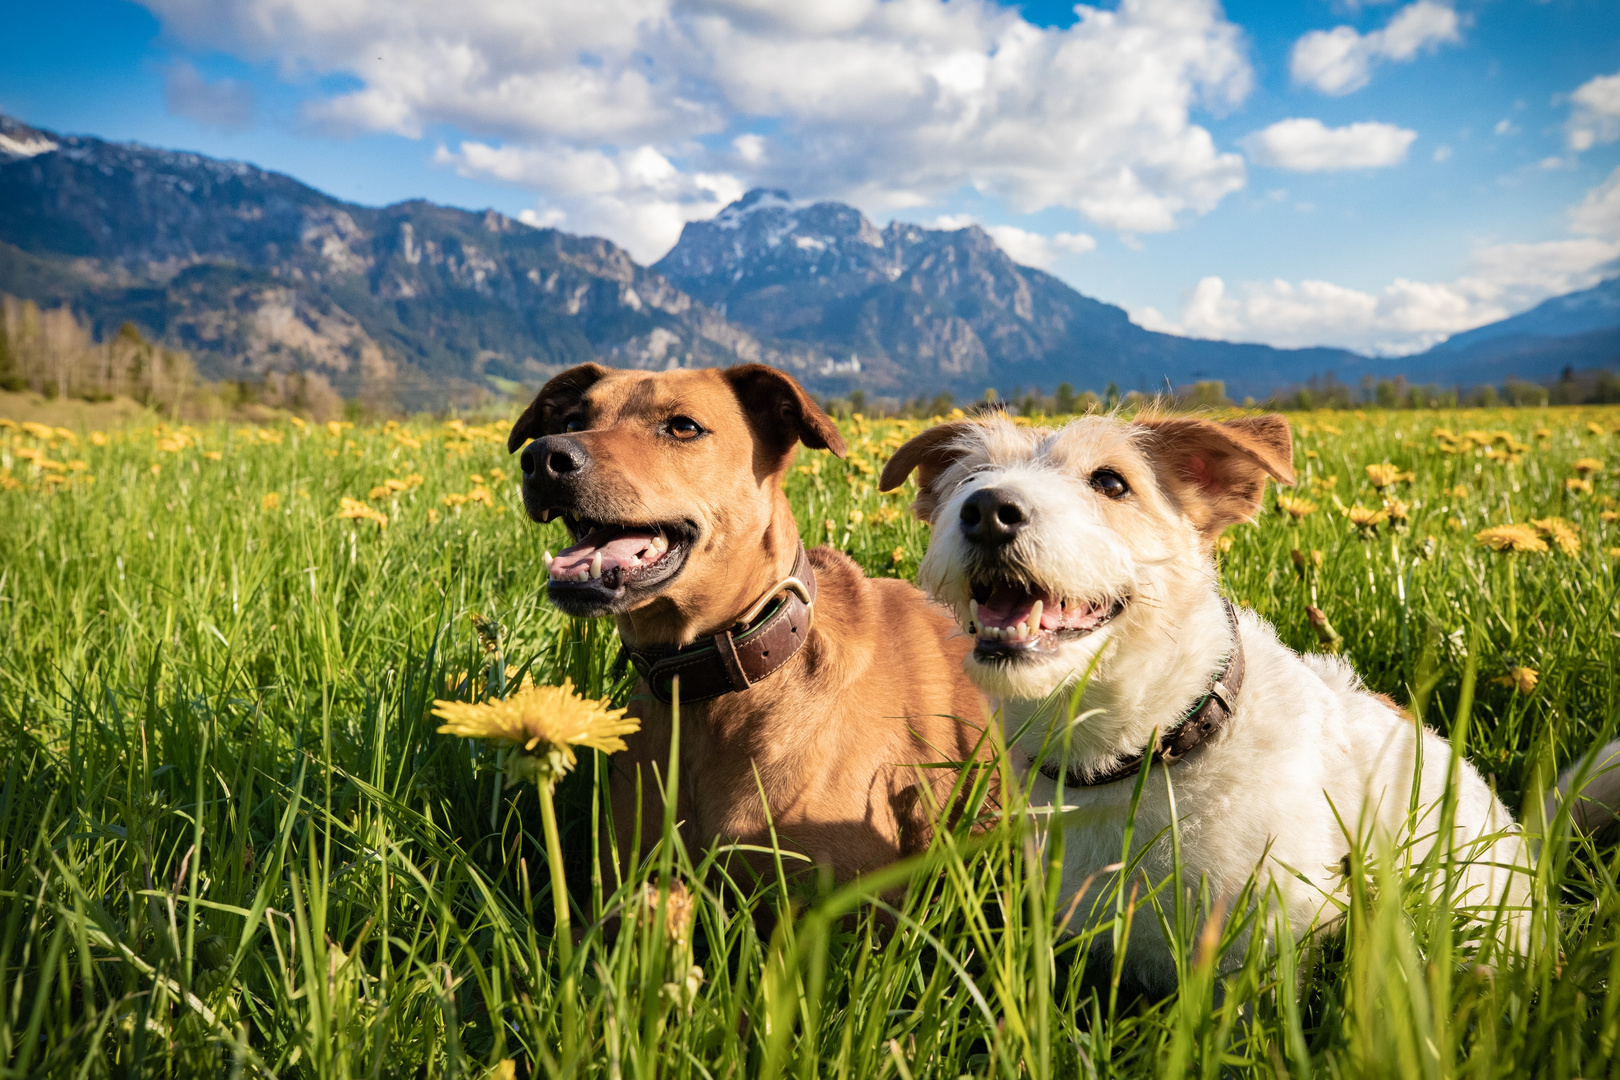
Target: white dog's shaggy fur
[{"x": 1114, "y": 533}]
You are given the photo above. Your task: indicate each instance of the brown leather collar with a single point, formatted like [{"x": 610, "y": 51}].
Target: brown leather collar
[
  {"x": 1205, "y": 718},
  {"x": 766, "y": 637}
]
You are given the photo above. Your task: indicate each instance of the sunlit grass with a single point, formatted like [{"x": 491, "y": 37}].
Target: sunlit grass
[{"x": 231, "y": 839}]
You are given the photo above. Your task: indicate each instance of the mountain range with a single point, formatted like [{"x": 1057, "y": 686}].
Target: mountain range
[{"x": 251, "y": 271}]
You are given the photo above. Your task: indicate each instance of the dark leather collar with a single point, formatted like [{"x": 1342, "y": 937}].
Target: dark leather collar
[
  {"x": 766, "y": 637},
  {"x": 1204, "y": 719}
]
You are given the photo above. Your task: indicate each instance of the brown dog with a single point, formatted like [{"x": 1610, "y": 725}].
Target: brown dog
[{"x": 671, "y": 485}]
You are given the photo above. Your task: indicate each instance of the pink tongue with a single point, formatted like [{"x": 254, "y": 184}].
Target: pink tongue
[
  {"x": 1008, "y": 605},
  {"x": 619, "y": 547}
]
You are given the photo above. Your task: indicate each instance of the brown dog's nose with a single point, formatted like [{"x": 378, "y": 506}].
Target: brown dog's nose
[
  {"x": 557, "y": 457},
  {"x": 993, "y": 516}
]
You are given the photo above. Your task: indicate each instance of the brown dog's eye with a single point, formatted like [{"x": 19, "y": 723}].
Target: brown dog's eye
[
  {"x": 684, "y": 427},
  {"x": 1110, "y": 483},
  {"x": 574, "y": 423}
]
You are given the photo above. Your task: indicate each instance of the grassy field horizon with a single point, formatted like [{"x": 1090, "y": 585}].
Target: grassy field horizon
[{"x": 231, "y": 842}]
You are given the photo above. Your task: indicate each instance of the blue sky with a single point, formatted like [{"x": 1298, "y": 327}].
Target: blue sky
[{"x": 1375, "y": 175}]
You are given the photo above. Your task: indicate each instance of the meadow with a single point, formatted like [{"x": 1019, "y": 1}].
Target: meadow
[{"x": 232, "y": 843}]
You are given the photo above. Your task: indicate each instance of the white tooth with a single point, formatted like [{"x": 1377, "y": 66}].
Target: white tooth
[
  {"x": 973, "y": 610},
  {"x": 547, "y": 560},
  {"x": 1035, "y": 618},
  {"x": 660, "y": 542},
  {"x": 596, "y": 566},
  {"x": 996, "y": 633},
  {"x": 1023, "y": 631}
]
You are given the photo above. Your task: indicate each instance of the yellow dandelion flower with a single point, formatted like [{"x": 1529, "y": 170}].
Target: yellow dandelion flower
[
  {"x": 453, "y": 499},
  {"x": 1561, "y": 532},
  {"x": 42, "y": 432},
  {"x": 1460, "y": 491},
  {"x": 1587, "y": 465},
  {"x": 481, "y": 495},
  {"x": 98, "y": 438},
  {"x": 497, "y": 476},
  {"x": 356, "y": 510},
  {"x": 1364, "y": 518},
  {"x": 544, "y": 724},
  {"x": 156, "y": 468},
  {"x": 1575, "y": 485},
  {"x": 55, "y": 478},
  {"x": 381, "y": 491},
  {"x": 77, "y": 466},
  {"x": 1522, "y": 679},
  {"x": 898, "y": 556},
  {"x": 1614, "y": 553},
  {"x": 1383, "y": 475},
  {"x": 1595, "y": 428},
  {"x": 477, "y": 479},
  {"x": 856, "y": 517},
  {"x": 1324, "y": 484},
  {"x": 271, "y": 501},
  {"x": 433, "y": 516},
  {"x": 1511, "y": 538},
  {"x": 1444, "y": 433},
  {"x": 1295, "y": 508},
  {"x": 213, "y": 455},
  {"x": 828, "y": 526},
  {"x": 1398, "y": 511},
  {"x": 1543, "y": 433},
  {"x": 1610, "y": 515}
]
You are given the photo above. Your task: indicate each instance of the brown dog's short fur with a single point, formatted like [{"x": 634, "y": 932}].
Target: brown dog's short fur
[{"x": 877, "y": 688}]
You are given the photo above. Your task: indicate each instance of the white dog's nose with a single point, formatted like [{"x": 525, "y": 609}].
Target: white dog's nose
[{"x": 993, "y": 516}]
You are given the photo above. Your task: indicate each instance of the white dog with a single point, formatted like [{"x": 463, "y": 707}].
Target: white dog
[{"x": 1088, "y": 550}]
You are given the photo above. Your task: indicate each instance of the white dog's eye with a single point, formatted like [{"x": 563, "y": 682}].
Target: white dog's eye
[{"x": 1110, "y": 483}]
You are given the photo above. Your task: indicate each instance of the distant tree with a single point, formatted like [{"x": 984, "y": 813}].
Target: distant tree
[
  {"x": 1063, "y": 403},
  {"x": 857, "y": 400},
  {"x": 1111, "y": 396}
]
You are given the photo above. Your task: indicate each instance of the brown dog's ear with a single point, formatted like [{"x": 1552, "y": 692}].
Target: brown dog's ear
[
  {"x": 930, "y": 454},
  {"x": 781, "y": 412},
  {"x": 1217, "y": 471},
  {"x": 559, "y": 395}
]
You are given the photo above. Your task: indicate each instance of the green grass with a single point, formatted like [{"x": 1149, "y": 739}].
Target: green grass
[{"x": 231, "y": 843}]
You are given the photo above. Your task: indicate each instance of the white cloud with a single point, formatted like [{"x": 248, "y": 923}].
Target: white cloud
[
  {"x": 1442, "y": 153},
  {"x": 636, "y": 195},
  {"x": 1408, "y": 316},
  {"x": 1596, "y": 118},
  {"x": 892, "y": 104},
  {"x": 1599, "y": 213},
  {"x": 1341, "y": 60},
  {"x": 1308, "y": 145},
  {"x": 226, "y": 104}
]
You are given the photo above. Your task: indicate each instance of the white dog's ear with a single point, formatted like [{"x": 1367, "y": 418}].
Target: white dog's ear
[
  {"x": 1216, "y": 471},
  {"x": 930, "y": 454}
]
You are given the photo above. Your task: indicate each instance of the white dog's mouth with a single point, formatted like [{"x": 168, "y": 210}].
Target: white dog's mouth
[{"x": 1011, "y": 619}]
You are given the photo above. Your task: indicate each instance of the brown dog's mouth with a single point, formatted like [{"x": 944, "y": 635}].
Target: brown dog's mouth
[
  {"x": 1010, "y": 619},
  {"x": 609, "y": 561}
]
